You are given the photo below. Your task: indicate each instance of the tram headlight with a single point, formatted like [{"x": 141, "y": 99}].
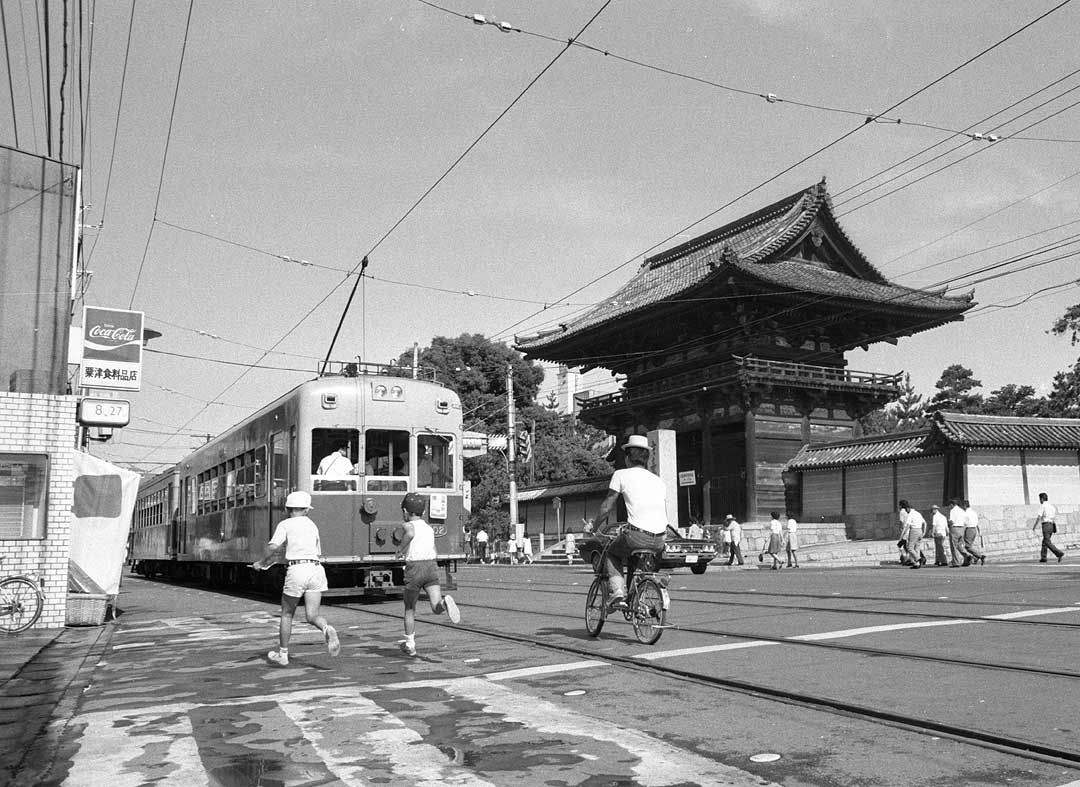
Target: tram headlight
[{"x": 397, "y": 392}]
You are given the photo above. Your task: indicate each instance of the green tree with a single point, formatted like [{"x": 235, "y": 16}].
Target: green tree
[
  {"x": 475, "y": 368},
  {"x": 1064, "y": 398},
  {"x": 956, "y": 391},
  {"x": 1014, "y": 399},
  {"x": 909, "y": 410}
]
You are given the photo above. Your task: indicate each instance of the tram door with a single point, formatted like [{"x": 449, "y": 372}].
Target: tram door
[{"x": 279, "y": 479}]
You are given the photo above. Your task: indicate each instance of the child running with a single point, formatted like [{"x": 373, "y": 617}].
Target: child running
[
  {"x": 421, "y": 572},
  {"x": 305, "y": 575}
]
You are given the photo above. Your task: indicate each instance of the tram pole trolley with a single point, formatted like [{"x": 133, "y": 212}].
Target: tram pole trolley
[{"x": 647, "y": 599}]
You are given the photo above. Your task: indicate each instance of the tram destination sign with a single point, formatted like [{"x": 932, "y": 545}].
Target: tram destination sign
[{"x": 99, "y": 411}]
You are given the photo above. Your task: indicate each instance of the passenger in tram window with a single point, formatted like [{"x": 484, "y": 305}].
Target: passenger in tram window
[
  {"x": 913, "y": 530},
  {"x": 337, "y": 463},
  {"x": 940, "y": 526},
  {"x": 305, "y": 576},
  {"x": 956, "y": 535},
  {"x": 971, "y": 532},
  {"x": 775, "y": 542},
  {"x": 417, "y": 549}
]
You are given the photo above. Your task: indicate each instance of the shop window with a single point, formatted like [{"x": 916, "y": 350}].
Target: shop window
[{"x": 23, "y": 484}]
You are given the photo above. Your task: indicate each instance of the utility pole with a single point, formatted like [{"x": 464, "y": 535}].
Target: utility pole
[{"x": 511, "y": 448}]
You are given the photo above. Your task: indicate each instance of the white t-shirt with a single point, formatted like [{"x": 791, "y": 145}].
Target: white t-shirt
[
  {"x": 645, "y": 496},
  {"x": 300, "y": 536},
  {"x": 971, "y": 518},
  {"x": 335, "y": 464},
  {"x": 915, "y": 524},
  {"x": 481, "y": 537},
  {"x": 422, "y": 546},
  {"x": 956, "y": 516},
  {"x": 1047, "y": 513},
  {"x": 941, "y": 524}
]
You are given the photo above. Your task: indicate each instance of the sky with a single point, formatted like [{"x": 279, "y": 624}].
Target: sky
[{"x": 240, "y": 162}]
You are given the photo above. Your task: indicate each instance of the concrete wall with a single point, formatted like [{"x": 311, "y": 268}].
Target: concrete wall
[{"x": 43, "y": 424}]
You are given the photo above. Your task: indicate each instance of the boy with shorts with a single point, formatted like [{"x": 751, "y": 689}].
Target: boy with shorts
[
  {"x": 305, "y": 575},
  {"x": 421, "y": 571}
]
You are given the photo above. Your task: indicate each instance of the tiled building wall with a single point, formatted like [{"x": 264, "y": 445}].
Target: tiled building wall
[{"x": 43, "y": 424}]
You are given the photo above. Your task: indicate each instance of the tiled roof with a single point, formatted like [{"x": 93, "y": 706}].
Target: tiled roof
[
  {"x": 568, "y": 488},
  {"x": 747, "y": 248},
  {"x": 904, "y": 445},
  {"x": 947, "y": 429},
  {"x": 996, "y": 431}
]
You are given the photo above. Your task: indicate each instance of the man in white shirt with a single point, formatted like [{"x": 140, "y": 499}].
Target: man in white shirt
[
  {"x": 913, "y": 529},
  {"x": 971, "y": 532},
  {"x": 645, "y": 495},
  {"x": 940, "y": 525},
  {"x": 956, "y": 536},
  {"x": 734, "y": 532},
  {"x": 1046, "y": 518},
  {"x": 337, "y": 463}
]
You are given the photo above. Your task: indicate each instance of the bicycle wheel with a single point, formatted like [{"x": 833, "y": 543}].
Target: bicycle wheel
[
  {"x": 20, "y": 604},
  {"x": 596, "y": 606},
  {"x": 648, "y": 611}
]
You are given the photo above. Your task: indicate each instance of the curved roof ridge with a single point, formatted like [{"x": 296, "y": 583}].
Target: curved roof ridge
[{"x": 740, "y": 224}]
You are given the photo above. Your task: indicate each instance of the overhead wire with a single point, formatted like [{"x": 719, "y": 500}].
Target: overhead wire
[
  {"x": 165, "y": 154},
  {"x": 801, "y": 161},
  {"x": 10, "y": 75}
]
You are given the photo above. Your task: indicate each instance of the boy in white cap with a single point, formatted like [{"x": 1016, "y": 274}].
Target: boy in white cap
[
  {"x": 421, "y": 571},
  {"x": 305, "y": 575}
]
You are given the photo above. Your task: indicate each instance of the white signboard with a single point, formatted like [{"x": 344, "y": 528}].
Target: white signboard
[
  {"x": 112, "y": 349},
  {"x": 687, "y": 478}
]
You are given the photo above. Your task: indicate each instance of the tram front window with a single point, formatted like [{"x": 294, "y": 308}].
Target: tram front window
[
  {"x": 334, "y": 454},
  {"x": 386, "y": 460},
  {"x": 435, "y": 466}
]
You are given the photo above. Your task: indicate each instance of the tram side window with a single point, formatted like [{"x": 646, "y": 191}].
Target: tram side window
[
  {"x": 334, "y": 457},
  {"x": 230, "y": 484},
  {"x": 386, "y": 460},
  {"x": 435, "y": 463},
  {"x": 260, "y": 472}
]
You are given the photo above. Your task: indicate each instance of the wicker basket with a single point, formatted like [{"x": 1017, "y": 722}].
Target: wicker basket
[{"x": 86, "y": 609}]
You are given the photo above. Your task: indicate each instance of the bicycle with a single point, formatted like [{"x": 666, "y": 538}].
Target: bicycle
[
  {"x": 647, "y": 600},
  {"x": 21, "y": 603}
]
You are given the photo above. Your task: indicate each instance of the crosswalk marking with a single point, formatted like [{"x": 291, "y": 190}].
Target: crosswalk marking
[{"x": 378, "y": 734}]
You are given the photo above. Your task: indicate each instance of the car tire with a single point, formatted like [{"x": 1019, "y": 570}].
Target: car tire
[{"x": 699, "y": 568}]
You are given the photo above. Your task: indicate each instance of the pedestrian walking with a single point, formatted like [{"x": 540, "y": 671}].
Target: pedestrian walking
[
  {"x": 956, "y": 536},
  {"x": 417, "y": 548},
  {"x": 481, "y": 544},
  {"x": 733, "y": 535},
  {"x": 791, "y": 542},
  {"x": 570, "y": 546},
  {"x": 940, "y": 528},
  {"x": 305, "y": 576},
  {"x": 775, "y": 540},
  {"x": 1047, "y": 518},
  {"x": 913, "y": 529},
  {"x": 971, "y": 532},
  {"x": 526, "y": 549}
]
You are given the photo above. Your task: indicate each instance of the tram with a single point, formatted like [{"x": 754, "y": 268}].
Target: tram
[{"x": 395, "y": 429}]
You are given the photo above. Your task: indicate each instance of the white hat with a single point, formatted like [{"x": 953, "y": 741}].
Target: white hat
[
  {"x": 298, "y": 500},
  {"x": 729, "y": 516},
  {"x": 637, "y": 441}
]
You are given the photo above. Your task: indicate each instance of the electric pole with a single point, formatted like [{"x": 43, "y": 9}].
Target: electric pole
[{"x": 511, "y": 448}]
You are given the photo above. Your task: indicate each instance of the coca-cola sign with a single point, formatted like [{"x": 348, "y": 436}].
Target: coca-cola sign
[{"x": 112, "y": 348}]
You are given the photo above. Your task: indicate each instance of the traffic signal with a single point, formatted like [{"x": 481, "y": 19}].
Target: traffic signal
[{"x": 524, "y": 445}]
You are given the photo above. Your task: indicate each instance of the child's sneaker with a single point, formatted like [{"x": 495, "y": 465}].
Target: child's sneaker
[
  {"x": 451, "y": 609},
  {"x": 408, "y": 648},
  {"x": 333, "y": 645},
  {"x": 278, "y": 657}
]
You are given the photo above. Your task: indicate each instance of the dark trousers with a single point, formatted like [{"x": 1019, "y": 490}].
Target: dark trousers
[
  {"x": 1048, "y": 529},
  {"x": 736, "y": 554}
]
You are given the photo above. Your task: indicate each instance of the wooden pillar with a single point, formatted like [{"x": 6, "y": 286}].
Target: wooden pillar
[
  {"x": 751, "y": 466},
  {"x": 705, "y": 413}
]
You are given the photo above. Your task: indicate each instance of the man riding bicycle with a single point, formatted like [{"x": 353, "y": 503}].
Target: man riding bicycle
[{"x": 645, "y": 495}]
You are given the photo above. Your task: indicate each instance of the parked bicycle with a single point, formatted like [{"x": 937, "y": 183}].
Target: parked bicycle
[
  {"x": 21, "y": 602},
  {"x": 647, "y": 600}
]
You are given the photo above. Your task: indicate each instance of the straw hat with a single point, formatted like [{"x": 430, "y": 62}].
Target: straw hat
[{"x": 637, "y": 441}]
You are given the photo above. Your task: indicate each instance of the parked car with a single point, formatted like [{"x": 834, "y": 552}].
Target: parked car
[{"x": 678, "y": 551}]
